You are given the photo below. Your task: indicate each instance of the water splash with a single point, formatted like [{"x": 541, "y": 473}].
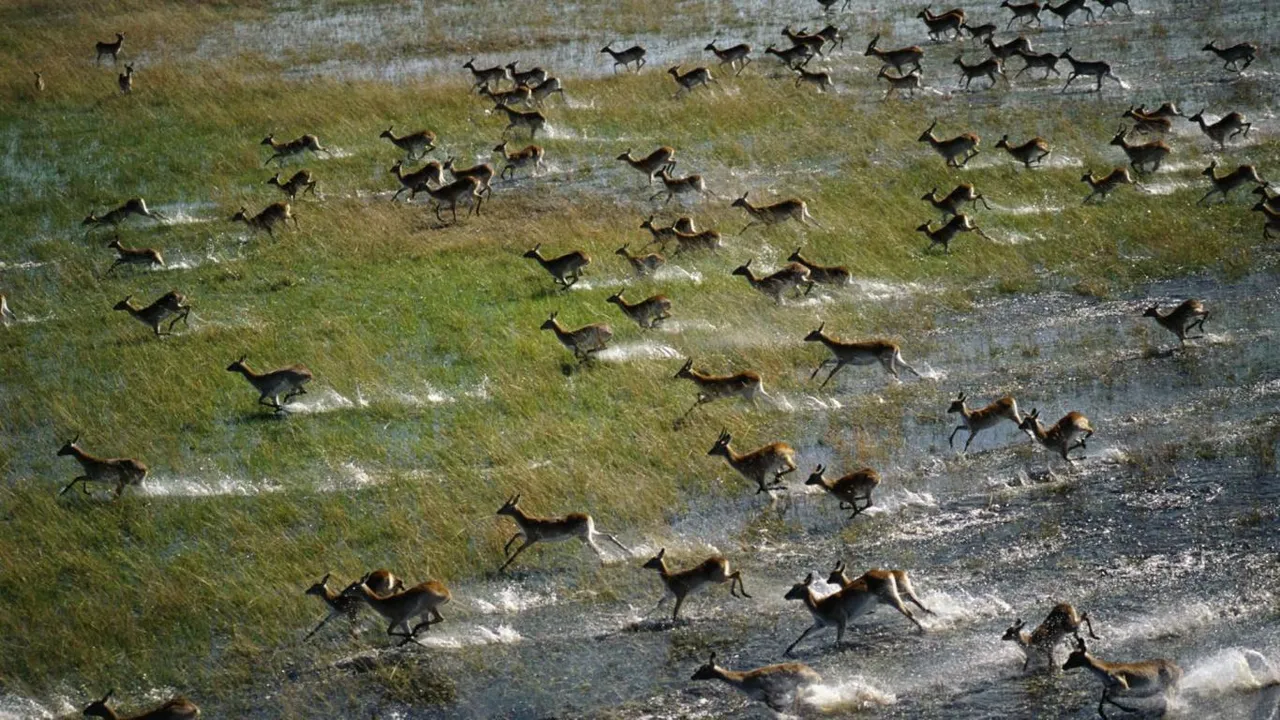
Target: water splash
[
  {"x": 511, "y": 600},
  {"x": 474, "y": 635},
  {"x": 851, "y": 695},
  {"x": 638, "y": 351}
]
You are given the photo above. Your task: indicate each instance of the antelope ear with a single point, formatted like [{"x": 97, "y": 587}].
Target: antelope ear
[
  {"x": 517, "y": 500},
  {"x": 662, "y": 553},
  {"x": 325, "y": 579},
  {"x": 712, "y": 660},
  {"x": 107, "y": 697},
  {"x": 808, "y": 579}
]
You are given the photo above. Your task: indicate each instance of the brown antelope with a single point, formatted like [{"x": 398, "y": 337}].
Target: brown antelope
[
  {"x": 815, "y": 43},
  {"x": 647, "y": 313},
  {"x": 39, "y": 81},
  {"x": 1064, "y": 436},
  {"x": 1031, "y": 152},
  {"x": 301, "y": 181},
  {"x": 120, "y": 471},
  {"x": 415, "y": 144},
  {"x": 485, "y": 77},
  {"x": 286, "y": 381},
  {"x": 975, "y": 421},
  {"x": 662, "y": 159},
  {"x": 899, "y": 59},
  {"x": 687, "y": 185},
  {"x": 1166, "y": 110},
  {"x": 946, "y": 233},
  {"x": 421, "y": 600},
  {"x": 1007, "y": 50},
  {"x": 690, "y": 80},
  {"x": 1043, "y": 61},
  {"x": 1273, "y": 218},
  {"x": 779, "y": 212},
  {"x": 125, "y": 80},
  {"x": 909, "y": 82},
  {"x": 418, "y": 180},
  {"x": 178, "y": 708},
  {"x": 641, "y": 265},
  {"x": 518, "y": 95},
  {"x": 849, "y": 489},
  {"x": 132, "y": 206},
  {"x": 134, "y": 256},
  {"x": 842, "y": 607},
  {"x": 1232, "y": 56},
  {"x": 1148, "y": 155},
  {"x": 682, "y": 583},
  {"x": 731, "y": 56},
  {"x": 1105, "y": 185},
  {"x": 1067, "y": 8},
  {"x": 1147, "y": 124},
  {"x": 1226, "y": 128},
  {"x": 877, "y": 581},
  {"x": 1143, "y": 679},
  {"x": 530, "y": 155},
  {"x": 297, "y": 146},
  {"x": 824, "y": 274},
  {"x": 1041, "y": 642},
  {"x": 746, "y": 385},
  {"x": 1080, "y": 68},
  {"x": 1026, "y": 12},
  {"x": 961, "y": 146},
  {"x": 1110, "y": 4},
  {"x": 820, "y": 80},
  {"x": 381, "y": 582},
  {"x": 551, "y": 529},
  {"x": 481, "y": 172},
  {"x": 986, "y": 31},
  {"x": 775, "y": 685},
  {"x": 950, "y": 205},
  {"x": 1180, "y": 320},
  {"x": 532, "y": 119},
  {"x": 455, "y": 192},
  {"x": 582, "y": 342},
  {"x": 793, "y": 57},
  {"x": 1271, "y": 202},
  {"x": 949, "y": 21},
  {"x": 153, "y": 315},
  {"x": 565, "y": 269},
  {"x": 634, "y": 54},
  {"x": 694, "y": 241},
  {"x": 989, "y": 68},
  {"x": 776, "y": 284},
  {"x": 527, "y": 78},
  {"x": 274, "y": 214},
  {"x": 6, "y": 315},
  {"x": 831, "y": 34},
  {"x": 888, "y": 354},
  {"x": 765, "y": 466},
  {"x": 109, "y": 48},
  {"x": 546, "y": 88},
  {"x": 1224, "y": 184}
]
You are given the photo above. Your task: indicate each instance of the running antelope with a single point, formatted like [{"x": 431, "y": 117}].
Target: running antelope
[
  {"x": 1110, "y": 4},
  {"x": 842, "y": 607},
  {"x": 486, "y": 77},
  {"x": 963, "y": 146},
  {"x": 565, "y": 269},
  {"x": 420, "y": 601},
  {"x": 171, "y": 303},
  {"x": 708, "y": 240},
  {"x": 297, "y": 146},
  {"x": 1226, "y": 183},
  {"x": 950, "y": 205},
  {"x": 415, "y": 144},
  {"x": 1080, "y": 68},
  {"x": 1148, "y": 155},
  {"x": 1044, "y": 61},
  {"x": 731, "y": 56},
  {"x": 520, "y": 94},
  {"x": 877, "y": 580},
  {"x": 418, "y": 180},
  {"x": 530, "y": 155},
  {"x": 481, "y": 172},
  {"x": 1144, "y": 679},
  {"x": 551, "y": 529},
  {"x": 132, "y": 206},
  {"x": 661, "y": 235},
  {"x": 825, "y": 274},
  {"x": 120, "y": 471},
  {"x": 546, "y": 88},
  {"x": 1273, "y": 218},
  {"x": 1166, "y": 110},
  {"x": 1064, "y": 436},
  {"x": 689, "y": 80},
  {"x": 779, "y": 212},
  {"x": 1232, "y": 56},
  {"x": 1041, "y": 642},
  {"x": 662, "y": 159},
  {"x": 986, "y": 31},
  {"x": 975, "y": 421},
  {"x": 527, "y": 78},
  {"x": 989, "y": 68},
  {"x": 776, "y": 284},
  {"x": 683, "y": 583},
  {"x": 274, "y": 214},
  {"x": 39, "y": 81},
  {"x": 456, "y": 191},
  {"x": 178, "y": 708},
  {"x": 641, "y": 265},
  {"x": 946, "y": 233},
  {"x": 820, "y": 80},
  {"x": 1104, "y": 186},
  {"x": 1007, "y": 50},
  {"x": 687, "y": 185},
  {"x": 1067, "y": 8},
  {"x": 849, "y": 489},
  {"x": 6, "y": 315},
  {"x": 125, "y": 80},
  {"x": 765, "y": 466},
  {"x": 134, "y": 256},
  {"x": 793, "y": 57},
  {"x": 381, "y": 582},
  {"x": 634, "y": 54},
  {"x": 1031, "y": 152},
  {"x": 532, "y": 119},
  {"x": 775, "y": 685},
  {"x": 286, "y": 381},
  {"x": 899, "y": 59},
  {"x": 111, "y": 49},
  {"x": 1147, "y": 124},
  {"x": 647, "y": 313},
  {"x": 745, "y": 385},
  {"x": 302, "y": 181},
  {"x": 1226, "y": 128},
  {"x": 1026, "y": 12},
  {"x": 909, "y": 82},
  {"x": 888, "y": 354},
  {"x": 949, "y": 21},
  {"x": 815, "y": 43},
  {"x": 582, "y": 342},
  {"x": 1271, "y": 202},
  {"x": 831, "y": 34},
  {"x": 1180, "y": 320}
]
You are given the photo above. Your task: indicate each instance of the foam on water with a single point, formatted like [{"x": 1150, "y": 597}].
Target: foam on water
[
  {"x": 164, "y": 486},
  {"x": 1033, "y": 209},
  {"x": 961, "y": 607},
  {"x": 184, "y": 213},
  {"x": 472, "y": 635},
  {"x": 670, "y": 272},
  {"x": 850, "y": 695},
  {"x": 511, "y": 600},
  {"x": 1164, "y": 188},
  {"x": 647, "y": 350},
  {"x": 901, "y": 499},
  {"x": 1230, "y": 670},
  {"x": 319, "y": 401}
]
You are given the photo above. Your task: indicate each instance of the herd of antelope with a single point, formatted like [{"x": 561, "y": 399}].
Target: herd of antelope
[{"x": 519, "y": 96}]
